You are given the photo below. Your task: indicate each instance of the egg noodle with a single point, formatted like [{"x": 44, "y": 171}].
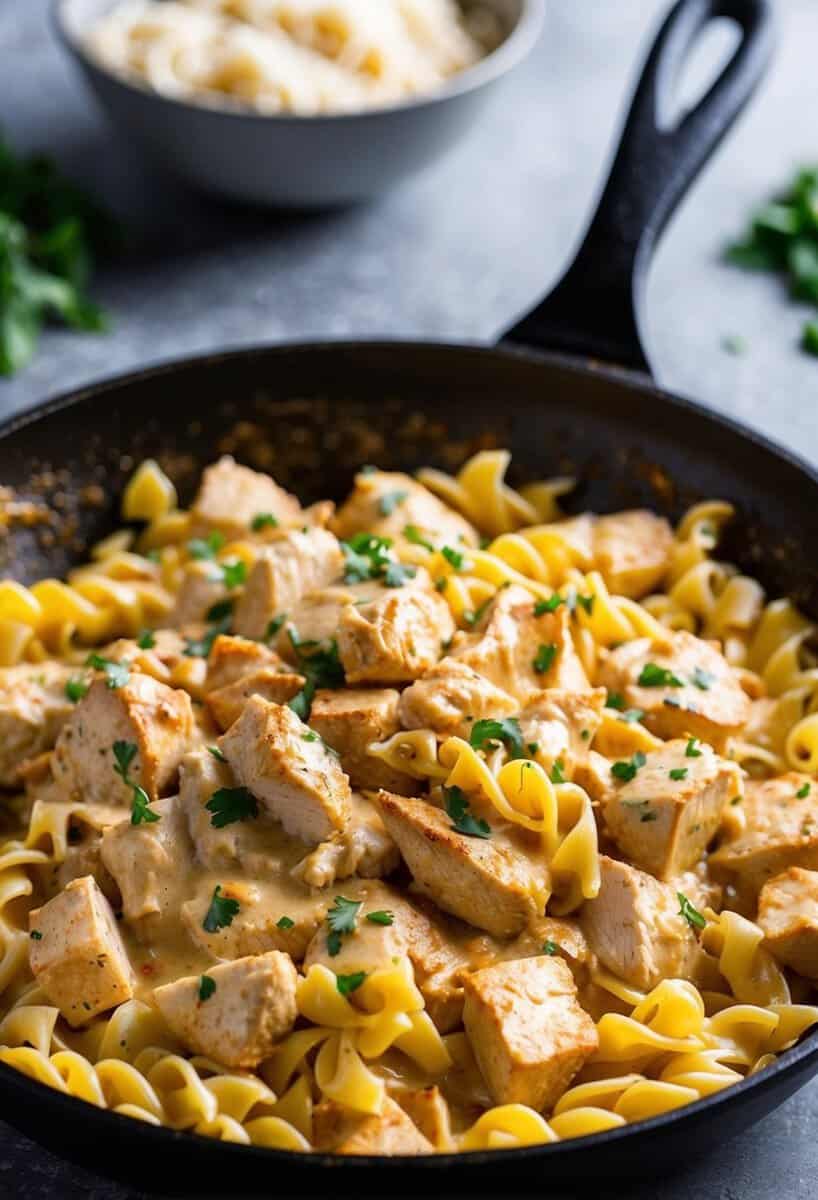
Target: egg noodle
[
  {"x": 293, "y": 56},
  {"x": 360, "y": 1044}
]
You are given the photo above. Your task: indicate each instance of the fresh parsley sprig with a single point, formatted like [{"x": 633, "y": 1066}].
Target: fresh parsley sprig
[
  {"x": 141, "y": 811},
  {"x": 463, "y": 820},
  {"x": 485, "y": 734}
]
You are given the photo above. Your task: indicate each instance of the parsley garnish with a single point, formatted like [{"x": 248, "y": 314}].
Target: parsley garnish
[
  {"x": 146, "y": 640},
  {"x": 365, "y": 557},
  {"x": 221, "y": 912},
  {"x": 678, "y": 773},
  {"x": 441, "y": 584},
  {"x": 229, "y": 805},
  {"x": 35, "y": 935},
  {"x": 545, "y": 658},
  {"x": 274, "y": 626},
  {"x": 397, "y": 574},
  {"x": 220, "y": 610},
  {"x": 390, "y": 501},
  {"x": 557, "y": 770},
  {"x": 803, "y": 792},
  {"x": 472, "y": 615},
  {"x": 655, "y": 676},
  {"x": 692, "y": 915},
  {"x": 586, "y": 602},
  {"x": 550, "y": 948},
  {"x": 548, "y": 606},
  {"x": 457, "y": 807},
  {"x": 703, "y": 679},
  {"x": 382, "y": 917},
  {"x": 342, "y": 919},
  {"x": 632, "y": 715},
  {"x": 285, "y": 923},
  {"x": 309, "y": 736},
  {"x": 217, "y": 754},
  {"x": 507, "y": 731},
  {"x": 263, "y": 520},
  {"x": 453, "y": 557},
  {"x": 413, "y": 535},
  {"x": 649, "y": 815},
  {"x": 231, "y": 574},
  {"x": 201, "y": 647},
  {"x": 627, "y": 770},
  {"x": 116, "y": 674},
  {"x": 124, "y": 754},
  {"x": 205, "y": 548},
  {"x": 75, "y": 689},
  {"x": 207, "y": 987},
  {"x": 691, "y": 749},
  {"x": 347, "y": 984},
  {"x": 615, "y": 701},
  {"x": 321, "y": 667}
]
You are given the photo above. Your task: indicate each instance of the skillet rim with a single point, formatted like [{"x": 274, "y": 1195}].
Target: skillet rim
[{"x": 790, "y": 1063}]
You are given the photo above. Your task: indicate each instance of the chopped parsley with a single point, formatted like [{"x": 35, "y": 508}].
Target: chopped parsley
[
  {"x": 678, "y": 773},
  {"x": 141, "y": 812},
  {"x": 381, "y": 917},
  {"x": 218, "y": 612},
  {"x": 803, "y": 792},
  {"x": 347, "y": 984},
  {"x": 263, "y": 520},
  {"x": 463, "y": 821},
  {"x": 586, "y": 602},
  {"x": 285, "y": 923},
  {"x": 548, "y": 606},
  {"x": 544, "y": 660},
  {"x": 206, "y": 548},
  {"x": 221, "y": 912},
  {"x": 231, "y": 574},
  {"x": 274, "y": 626},
  {"x": 507, "y": 731},
  {"x": 75, "y": 689},
  {"x": 441, "y": 584},
  {"x": 533, "y": 748},
  {"x": 116, "y": 674},
  {"x": 413, "y": 535},
  {"x": 397, "y": 574},
  {"x": 35, "y": 935},
  {"x": 648, "y": 815},
  {"x": 365, "y": 557},
  {"x": 201, "y": 647},
  {"x": 626, "y": 770},
  {"x": 229, "y": 805},
  {"x": 736, "y": 800},
  {"x": 390, "y": 501},
  {"x": 692, "y": 915},
  {"x": 550, "y": 948},
  {"x": 616, "y": 701},
  {"x": 472, "y": 615},
  {"x": 146, "y": 640},
  {"x": 703, "y": 679},
  {"x": 207, "y": 987},
  {"x": 321, "y": 667},
  {"x": 342, "y": 919},
  {"x": 556, "y": 774},
  {"x": 655, "y": 676},
  {"x": 692, "y": 749},
  {"x": 453, "y": 557},
  {"x": 217, "y": 754},
  {"x": 309, "y": 736}
]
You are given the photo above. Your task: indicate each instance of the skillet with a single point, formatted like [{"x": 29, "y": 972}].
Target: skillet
[{"x": 311, "y": 414}]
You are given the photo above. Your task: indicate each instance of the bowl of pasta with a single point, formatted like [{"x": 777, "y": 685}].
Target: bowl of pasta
[
  {"x": 410, "y": 753},
  {"x": 296, "y": 103}
]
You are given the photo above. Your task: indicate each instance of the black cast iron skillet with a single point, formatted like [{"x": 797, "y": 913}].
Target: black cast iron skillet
[{"x": 312, "y": 413}]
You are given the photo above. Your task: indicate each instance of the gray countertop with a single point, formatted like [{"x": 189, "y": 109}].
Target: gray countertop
[{"x": 454, "y": 255}]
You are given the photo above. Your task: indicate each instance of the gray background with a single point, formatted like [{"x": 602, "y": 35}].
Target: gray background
[{"x": 454, "y": 255}]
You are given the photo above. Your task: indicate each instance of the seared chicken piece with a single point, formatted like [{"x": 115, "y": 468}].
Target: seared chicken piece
[
  {"x": 230, "y": 497},
  {"x": 788, "y": 914},
  {"x": 489, "y": 885},
  {"x": 235, "y": 1013},
  {"x": 395, "y": 637},
  {"x": 349, "y": 721},
  {"x": 273, "y": 684},
  {"x": 449, "y": 697},
  {"x": 632, "y": 551},
  {"x": 234, "y": 658},
  {"x": 157, "y": 719},
  {"x": 149, "y": 863},
  {"x": 665, "y": 816},
  {"x": 527, "y": 1030},
  {"x": 780, "y": 831},
  {"x": 287, "y": 766},
  {"x": 385, "y": 502},
  {"x": 427, "y": 1109},
  {"x": 33, "y": 709},
  {"x": 202, "y": 587},
  {"x": 340, "y": 1130},
  {"x": 634, "y": 926},
  {"x": 301, "y": 561},
  {"x": 562, "y": 725},
  {"x": 363, "y": 847},
  {"x": 685, "y": 687},
  {"x": 77, "y": 955},
  {"x": 520, "y": 652},
  {"x": 280, "y": 914}
]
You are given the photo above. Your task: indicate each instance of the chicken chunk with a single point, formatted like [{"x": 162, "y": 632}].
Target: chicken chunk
[
  {"x": 272, "y": 684},
  {"x": 300, "y": 562},
  {"x": 287, "y": 766},
  {"x": 385, "y": 502},
  {"x": 350, "y": 721},
  {"x": 481, "y": 881},
  {"x": 780, "y": 831},
  {"x": 561, "y": 725},
  {"x": 527, "y": 1030},
  {"x": 340, "y": 1130},
  {"x": 363, "y": 847},
  {"x": 788, "y": 914},
  {"x": 149, "y": 863},
  {"x": 632, "y": 551},
  {"x": 275, "y": 914},
  {"x": 450, "y": 697},
  {"x": 523, "y": 653},
  {"x": 33, "y": 709},
  {"x": 683, "y": 687},
  {"x": 157, "y": 719},
  {"x": 634, "y": 926},
  {"x": 235, "y": 1013},
  {"x": 427, "y": 1109},
  {"x": 77, "y": 954},
  {"x": 234, "y": 658},
  {"x": 560, "y": 936},
  {"x": 160, "y": 659},
  {"x": 664, "y": 818},
  {"x": 201, "y": 588},
  {"x": 231, "y": 496},
  {"x": 396, "y": 637}
]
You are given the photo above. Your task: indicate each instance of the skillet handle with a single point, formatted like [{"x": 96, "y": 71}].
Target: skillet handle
[{"x": 594, "y": 309}]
